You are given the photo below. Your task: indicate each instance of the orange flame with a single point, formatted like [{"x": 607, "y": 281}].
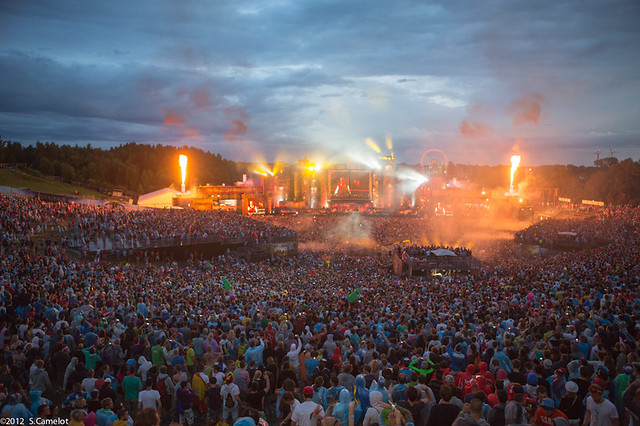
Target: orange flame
[
  {"x": 515, "y": 162},
  {"x": 182, "y": 160}
]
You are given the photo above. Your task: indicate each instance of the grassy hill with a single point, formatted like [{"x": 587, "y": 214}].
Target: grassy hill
[{"x": 24, "y": 179}]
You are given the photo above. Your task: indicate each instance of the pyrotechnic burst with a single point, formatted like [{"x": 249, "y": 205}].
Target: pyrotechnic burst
[
  {"x": 515, "y": 162},
  {"x": 182, "y": 160}
]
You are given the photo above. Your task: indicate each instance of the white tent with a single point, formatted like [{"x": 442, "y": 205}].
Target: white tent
[
  {"x": 443, "y": 252},
  {"x": 162, "y": 198}
]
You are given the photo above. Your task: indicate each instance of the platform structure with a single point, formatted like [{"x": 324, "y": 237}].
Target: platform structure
[{"x": 440, "y": 261}]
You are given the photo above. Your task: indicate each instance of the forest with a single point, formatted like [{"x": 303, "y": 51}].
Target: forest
[
  {"x": 608, "y": 180},
  {"x": 141, "y": 168},
  {"x": 133, "y": 167}
]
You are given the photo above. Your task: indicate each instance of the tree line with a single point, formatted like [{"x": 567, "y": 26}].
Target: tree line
[
  {"x": 132, "y": 167},
  {"x": 144, "y": 168},
  {"x": 608, "y": 180}
]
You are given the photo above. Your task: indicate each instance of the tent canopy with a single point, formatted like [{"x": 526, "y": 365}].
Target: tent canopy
[
  {"x": 162, "y": 198},
  {"x": 567, "y": 234},
  {"x": 443, "y": 252}
]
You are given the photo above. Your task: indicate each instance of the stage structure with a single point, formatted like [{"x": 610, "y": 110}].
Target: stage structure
[
  {"x": 310, "y": 186},
  {"x": 407, "y": 263}
]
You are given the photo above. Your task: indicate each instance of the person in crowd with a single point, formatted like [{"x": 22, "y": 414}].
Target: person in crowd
[
  {"x": 600, "y": 411},
  {"x": 565, "y": 322}
]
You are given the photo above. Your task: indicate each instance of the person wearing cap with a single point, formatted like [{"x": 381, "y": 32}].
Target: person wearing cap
[
  {"x": 547, "y": 412},
  {"x": 308, "y": 413},
  {"x": 571, "y": 405},
  {"x": 557, "y": 385},
  {"x": 107, "y": 391},
  {"x": 405, "y": 367},
  {"x": 600, "y": 411},
  {"x": 230, "y": 393}
]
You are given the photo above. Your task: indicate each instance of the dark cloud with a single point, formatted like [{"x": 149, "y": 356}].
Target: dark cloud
[{"x": 325, "y": 74}]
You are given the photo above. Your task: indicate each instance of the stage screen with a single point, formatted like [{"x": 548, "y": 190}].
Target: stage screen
[
  {"x": 339, "y": 181},
  {"x": 349, "y": 184},
  {"x": 359, "y": 184}
]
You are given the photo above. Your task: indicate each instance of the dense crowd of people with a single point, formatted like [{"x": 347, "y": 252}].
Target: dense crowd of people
[
  {"x": 313, "y": 339},
  {"x": 352, "y": 229},
  {"x": 140, "y": 228},
  {"x": 602, "y": 227},
  {"x": 98, "y": 226}
]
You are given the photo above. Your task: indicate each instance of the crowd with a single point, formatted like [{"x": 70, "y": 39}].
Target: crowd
[
  {"x": 603, "y": 226},
  {"x": 97, "y": 226},
  {"x": 536, "y": 340},
  {"x": 353, "y": 228}
]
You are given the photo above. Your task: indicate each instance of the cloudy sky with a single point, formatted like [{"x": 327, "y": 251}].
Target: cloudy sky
[{"x": 278, "y": 79}]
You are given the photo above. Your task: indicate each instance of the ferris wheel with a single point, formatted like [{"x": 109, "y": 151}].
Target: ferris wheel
[{"x": 433, "y": 157}]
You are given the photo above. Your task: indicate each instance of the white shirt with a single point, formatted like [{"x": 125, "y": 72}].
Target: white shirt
[
  {"x": 302, "y": 414},
  {"x": 232, "y": 389},
  {"x": 601, "y": 414},
  {"x": 149, "y": 398},
  {"x": 219, "y": 377},
  {"x": 89, "y": 384}
]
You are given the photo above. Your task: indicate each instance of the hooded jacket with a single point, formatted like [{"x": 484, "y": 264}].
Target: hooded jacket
[
  {"x": 374, "y": 413},
  {"x": 362, "y": 393},
  {"x": 329, "y": 346},
  {"x": 462, "y": 379},
  {"x": 341, "y": 409},
  {"x": 40, "y": 380},
  {"x": 145, "y": 366},
  {"x": 67, "y": 372}
]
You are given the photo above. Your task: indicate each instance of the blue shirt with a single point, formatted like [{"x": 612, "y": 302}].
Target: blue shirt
[
  {"x": 255, "y": 354},
  {"x": 311, "y": 365},
  {"x": 17, "y": 411}
]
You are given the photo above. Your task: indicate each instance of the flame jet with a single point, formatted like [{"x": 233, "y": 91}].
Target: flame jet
[
  {"x": 515, "y": 162},
  {"x": 182, "y": 160}
]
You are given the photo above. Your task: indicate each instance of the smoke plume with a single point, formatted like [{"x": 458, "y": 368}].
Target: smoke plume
[
  {"x": 473, "y": 130},
  {"x": 526, "y": 109},
  {"x": 173, "y": 118},
  {"x": 238, "y": 126}
]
